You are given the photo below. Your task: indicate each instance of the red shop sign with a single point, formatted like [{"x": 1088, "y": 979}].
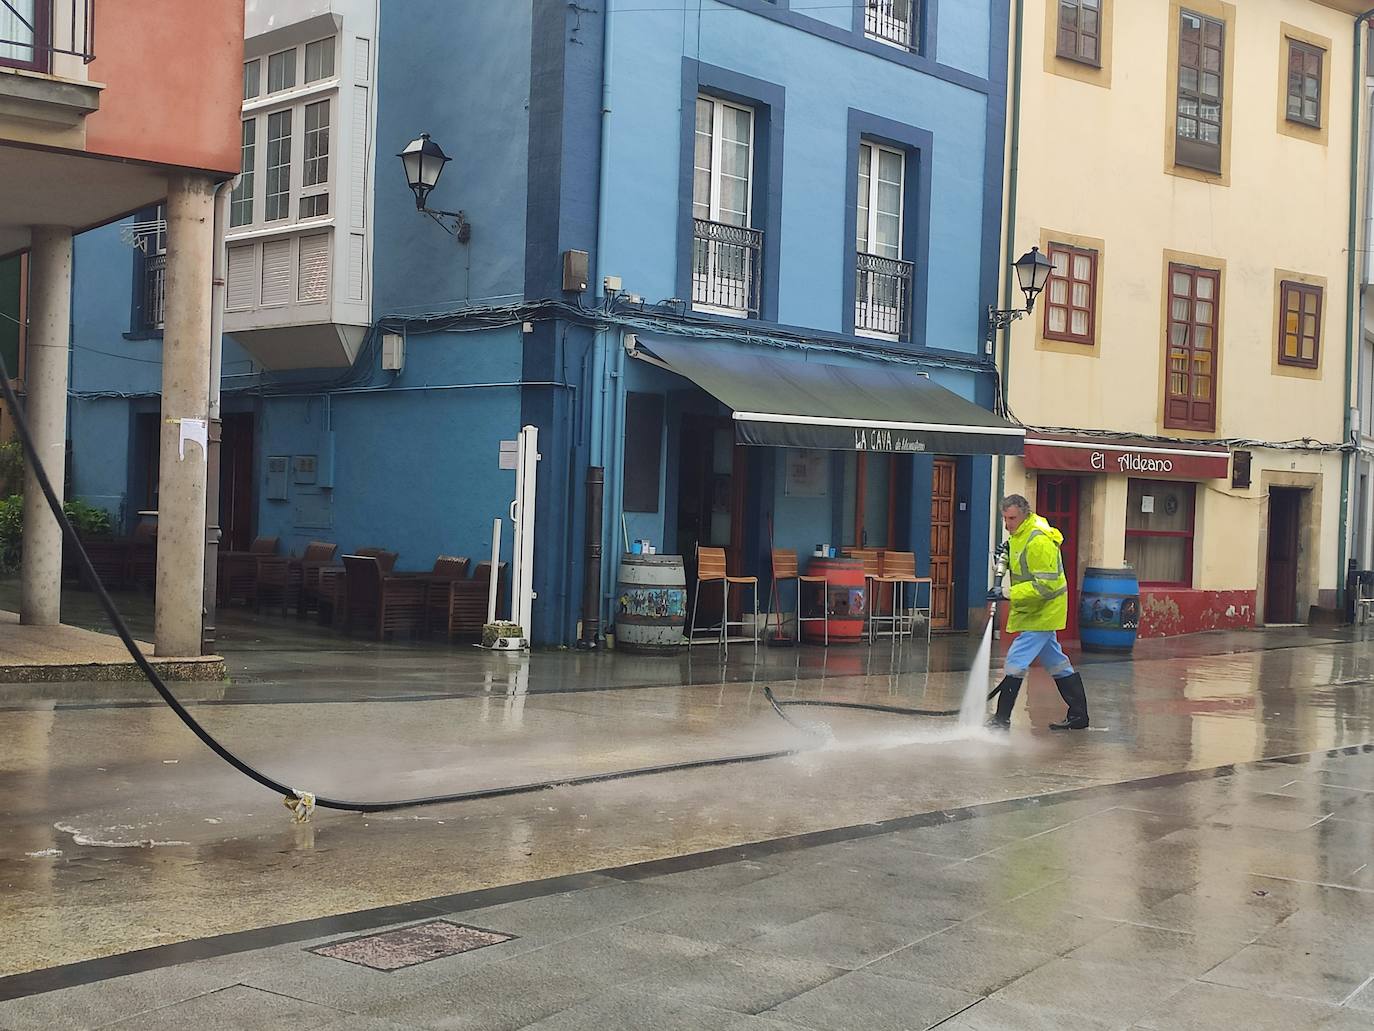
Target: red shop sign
[{"x": 1145, "y": 461}]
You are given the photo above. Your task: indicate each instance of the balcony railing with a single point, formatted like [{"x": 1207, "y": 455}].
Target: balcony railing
[
  {"x": 882, "y": 296},
  {"x": 154, "y": 290},
  {"x": 726, "y": 263},
  {"x": 893, "y": 21},
  {"x": 32, "y": 31}
]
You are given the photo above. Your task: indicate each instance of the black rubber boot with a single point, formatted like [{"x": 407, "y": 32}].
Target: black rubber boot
[
  {"x": 1006, "y": 693},
  {"x": 1071, "y": 690}
]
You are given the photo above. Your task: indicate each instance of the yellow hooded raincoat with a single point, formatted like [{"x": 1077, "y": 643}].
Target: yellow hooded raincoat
[{"x": 1039, "y": 591}]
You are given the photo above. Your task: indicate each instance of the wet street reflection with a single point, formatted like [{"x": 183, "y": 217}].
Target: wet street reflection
[{"x": 118, "y": 830}]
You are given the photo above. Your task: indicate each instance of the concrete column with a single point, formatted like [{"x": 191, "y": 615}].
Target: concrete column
[
  {"x": 45, "y": 408},
  {"x": 185, "y": 408}
]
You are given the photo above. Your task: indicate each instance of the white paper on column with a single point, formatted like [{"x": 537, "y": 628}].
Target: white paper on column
[{"x": 194, "y": 430}]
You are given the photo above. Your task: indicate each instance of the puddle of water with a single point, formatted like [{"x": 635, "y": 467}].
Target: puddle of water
[{"x": 82, "y": 838}]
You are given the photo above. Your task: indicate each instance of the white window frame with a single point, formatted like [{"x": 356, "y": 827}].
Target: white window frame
[
  {"x": 333, "y": 47},
  {"x": 291, "y": 191},
  {"x": 295, "y": 69},
  {"x": 252, "y": 177},
  {"x": 715, "y": 176},
  {"x": 876, "y": 150}
]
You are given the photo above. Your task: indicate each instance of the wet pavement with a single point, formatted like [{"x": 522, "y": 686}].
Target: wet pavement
[{"x": 1159, "y": 870}]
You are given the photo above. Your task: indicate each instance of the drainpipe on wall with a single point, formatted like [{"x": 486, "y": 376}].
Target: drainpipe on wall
[
  {"x": 215, "y": 424},
  {"x": 596, "y": 398},
  {"x": 1013, "y": 151},
  {"x": 1357, "y": 108}
]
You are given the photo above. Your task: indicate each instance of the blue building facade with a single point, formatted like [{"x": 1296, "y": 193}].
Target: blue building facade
[{"x": 817, "y": 184}]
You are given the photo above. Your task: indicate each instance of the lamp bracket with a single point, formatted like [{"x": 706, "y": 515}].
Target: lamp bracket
[
  {"x": 1001, "y": 318},
  {"x": 453, "y": 222}
]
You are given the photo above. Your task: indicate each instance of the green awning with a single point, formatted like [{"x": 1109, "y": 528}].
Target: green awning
[{"x": 795, "y": 399}]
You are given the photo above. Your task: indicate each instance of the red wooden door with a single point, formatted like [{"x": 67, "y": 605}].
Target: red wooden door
[
  {"x": 942, "y": 544},
  {"x": 1057, "y": 500},
  {"x": 1281, "y": 569}
]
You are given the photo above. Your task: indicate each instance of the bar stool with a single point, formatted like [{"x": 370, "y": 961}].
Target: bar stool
[
  {"x": 711, "y": 568},
  {"x": 899, "y": 569},
  {"x": 872, "y": 574},
  {"x": 785, "y": 568}
]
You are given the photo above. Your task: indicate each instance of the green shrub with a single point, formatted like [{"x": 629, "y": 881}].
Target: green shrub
[
  {"x": 11, "y": 467},
  {"x": 11, "y": 532},
  {"x": 88, "y": 520}
]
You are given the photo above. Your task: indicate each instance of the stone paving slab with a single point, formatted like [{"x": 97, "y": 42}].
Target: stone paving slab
[
  {"x": 640, "y": 950},
  {"x": 43, "y": 654}
]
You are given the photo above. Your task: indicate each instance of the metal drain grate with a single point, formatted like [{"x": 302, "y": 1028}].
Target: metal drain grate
[{"x": 407, "y": 946}]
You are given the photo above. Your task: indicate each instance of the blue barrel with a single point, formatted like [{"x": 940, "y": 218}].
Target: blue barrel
[{"x": 1109, "y": 610}]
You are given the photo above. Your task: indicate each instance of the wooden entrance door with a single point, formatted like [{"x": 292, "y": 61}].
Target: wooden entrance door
[
  {"x": 942, "y": 544},
  {"x": 711, "y": 482},
  {"x": 1057, "y": 500},
  {"x": 236, "y": 502},
  {"x": 1281, "y": 562}
]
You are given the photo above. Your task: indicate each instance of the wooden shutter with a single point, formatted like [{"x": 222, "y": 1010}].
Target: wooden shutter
[
  {"x": 241, "y": 285},
  {"x": 313, "y": 280},
  {"x": 276, "y": 272}
]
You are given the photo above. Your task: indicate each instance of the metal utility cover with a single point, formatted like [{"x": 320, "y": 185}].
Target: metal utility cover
[
  {"x": 408, "y": 946},
  {"x": 796, "y": 399}
]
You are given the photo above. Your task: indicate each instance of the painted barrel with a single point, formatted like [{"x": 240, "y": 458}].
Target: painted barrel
[
  {"x": 1109, "y": 610},
  {"x": 651, "y": 611},
  {"x": 845, "y": 601}
]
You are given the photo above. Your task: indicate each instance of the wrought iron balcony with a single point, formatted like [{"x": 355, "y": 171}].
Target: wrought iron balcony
[
  {"x": 882, "y": 296},
  {"x": 726, "y": 265},
  {"x": 893, "y": 21},
  {"x": 32, "y": 31}
]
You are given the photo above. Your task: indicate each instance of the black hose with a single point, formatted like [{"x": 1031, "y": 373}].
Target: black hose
[
  {"x": 291, "y": 794},
  {"x": 869, "y": 707}
]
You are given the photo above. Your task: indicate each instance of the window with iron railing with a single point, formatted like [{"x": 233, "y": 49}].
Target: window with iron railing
[
  {"x": 895, "y": 22},
  {"x": 882, "y": 279},
  {"x": 726, "y": 262},
  {"x": 147, "y": 234},
  {"x": 33, "y": 31},
  {"x": 726, "y": 250}
]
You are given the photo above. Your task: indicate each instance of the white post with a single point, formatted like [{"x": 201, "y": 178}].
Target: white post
[
  {"x": 495, "y": 565},
  {"x": 522, "y": 512}
]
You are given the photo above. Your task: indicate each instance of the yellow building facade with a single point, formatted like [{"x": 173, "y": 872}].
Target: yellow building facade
[{"x": 1187, "y": 166}]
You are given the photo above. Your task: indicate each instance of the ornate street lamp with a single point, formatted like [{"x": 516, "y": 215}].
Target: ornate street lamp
[
  {"x": 1032, "y": 273},
  {"x": 423, "y": 161}
]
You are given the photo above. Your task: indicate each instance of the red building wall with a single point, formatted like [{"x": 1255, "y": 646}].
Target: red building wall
[{"x": 173, "y": 73}]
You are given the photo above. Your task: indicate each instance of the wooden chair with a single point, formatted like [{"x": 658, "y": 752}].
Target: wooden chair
[
  {"x": 333, "y": 589},
  {"x": 785, "y": 568},
  {"x": 238, "y": 575},
  {"x": 142, "y": 568},
  {"x": 898, "y": 568},
  {"x": 281, "y": 579},
  {"x": 467, "y": 608},
  {"x": 442, "y": 585},
  {"x": 711, "y": 568},
  {"x": 379, "y": 601}
]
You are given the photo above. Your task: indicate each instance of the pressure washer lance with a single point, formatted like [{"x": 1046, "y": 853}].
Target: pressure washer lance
[{"x": 999, "y": 570}]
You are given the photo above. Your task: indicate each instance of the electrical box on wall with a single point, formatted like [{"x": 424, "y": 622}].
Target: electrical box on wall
[
  {"x": 304, "y": 468},
  {"x": 277, "y": 469},
  {"x": 393, "y": 352},
  {"x": 575, "y": 271},
  {"x": 1240, "y": 470}
]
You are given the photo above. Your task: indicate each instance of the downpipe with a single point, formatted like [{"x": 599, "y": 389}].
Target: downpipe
[{"x": 1357, "y": 94}]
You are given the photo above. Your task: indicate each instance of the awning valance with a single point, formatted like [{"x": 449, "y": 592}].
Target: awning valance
[{"x": 794, "y": 399}]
